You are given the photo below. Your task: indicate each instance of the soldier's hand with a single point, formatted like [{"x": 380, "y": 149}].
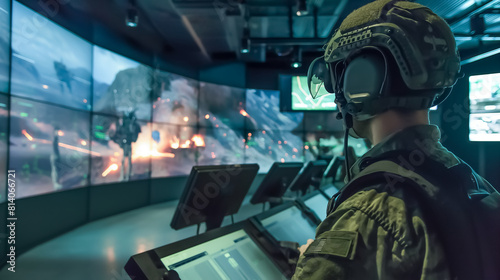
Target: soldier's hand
[{"x": 304, "y": 247}]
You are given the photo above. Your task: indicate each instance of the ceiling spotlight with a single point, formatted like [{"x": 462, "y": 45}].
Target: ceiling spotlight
[
  {"x": 245, "y": 40},
  {"x": 297, "y": 58},
  {"x": 132, "y": 19},
  {"x": 302, "y": 8}
]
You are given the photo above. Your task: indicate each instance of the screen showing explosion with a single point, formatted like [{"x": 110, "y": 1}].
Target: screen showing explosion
[
  {"x": 175, "y": 99},
  {"x": 222, "y": 146},
  {"x": 4, "y": 118},
  {"x": 4, "y": 45},
  {"x": 221, "y": 106},
  {"x": 176, "y": 149},
  {"x": 263, "y": 112},
  {"x": 121, "y": 85},
  {"x": 49, "y": 147},
  {"x": 265, "y": 147},
  {"x": 49, "y": 63},
  {"x": 484, "y": 95},
  {"x": 121, "y": 149},
  {"x": 302, "y": 100}
]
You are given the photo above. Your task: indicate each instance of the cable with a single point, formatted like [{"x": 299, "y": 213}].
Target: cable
[
  {"x": 198, "y": 230},
  {"x": 347, "y": 169}
]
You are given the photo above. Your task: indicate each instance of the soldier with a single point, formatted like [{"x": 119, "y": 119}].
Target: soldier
[
  {"x": 388, "y": 63},
  {"x": 126, "y": 133}
]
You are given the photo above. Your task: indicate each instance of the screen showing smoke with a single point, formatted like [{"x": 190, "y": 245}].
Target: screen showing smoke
[
  {"x": 265, "y": 147},
  {"x": 49, "y": 63},
  {"x": 121, "y": 85},
  {"x": 484, "y": 98},
  {"x": 175, "y": 99},
  {"x": 222, "y": 106},
  {"x": 222, "y": 146},
  {"x": 4, "y": 45},
  {"x": 263, "y": 112},
  {"x": 49, "y": 147},
  {"x": 176, "y": 149},
  {"x": 121, "y": 149},
  {"x": 4, "y": 118}
]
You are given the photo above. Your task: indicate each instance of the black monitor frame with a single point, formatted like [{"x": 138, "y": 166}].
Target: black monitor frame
[
  {"x": 276, "y": 182},
  {"x": 333, "y": 167},
  {"x": 302, "y": 204},
  {"x": 310, "y": 175},
  {"x": 207, "y": 198},
  {"x": 148, "y": 265}
]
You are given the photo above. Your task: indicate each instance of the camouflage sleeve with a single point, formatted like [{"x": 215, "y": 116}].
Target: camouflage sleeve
[{"x": 373, "y": 236}]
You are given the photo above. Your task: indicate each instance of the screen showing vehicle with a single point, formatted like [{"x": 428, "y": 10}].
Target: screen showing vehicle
[
  {"x": 222, "y": 106},
  {"x": 484, "y": 95},
  {"x": 4, "y": 118},
  {"x": 49, "y": 147},
  {"x": 290, "y": 225},
  {"x": 49, "y": 63},
  {"x": 263, "y": 112},
  {"x": 266, "y": 147},
  {"x": 302, "y": 100},
  {"x": 4, "y": 45},
  {"x": 175, "y": 149},
  {"x": 175, "y": 99},
  {"x": 318, "y": 204},
  {"x": 121, "y": 149},
  {"x": 232, "y": 256},
  {"x": 121, "y": 85},
  {"x": 222, "y": 146}
]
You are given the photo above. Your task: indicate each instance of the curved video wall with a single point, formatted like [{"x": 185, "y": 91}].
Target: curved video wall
[{"x": 73, "y": 114}]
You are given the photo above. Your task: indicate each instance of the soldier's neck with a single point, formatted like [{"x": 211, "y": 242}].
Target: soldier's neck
[{"x": 392, "y": 121}]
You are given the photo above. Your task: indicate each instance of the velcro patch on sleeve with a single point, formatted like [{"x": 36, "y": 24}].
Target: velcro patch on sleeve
[{"x": 335, "y": 243}]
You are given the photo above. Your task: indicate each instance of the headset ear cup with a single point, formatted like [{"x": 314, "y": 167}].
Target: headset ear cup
[{"x": 328, "y": 83}]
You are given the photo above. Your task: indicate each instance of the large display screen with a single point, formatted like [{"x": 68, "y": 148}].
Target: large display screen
[
  {"x": 4, "y": 45},
  {"x": 49, "y": 63},
  {"x": 484, "y": 94},
  {"x": 263, "y": 112},
  {"x": 290, "y": 225},
  {"x": 232, "y": 256},
  {"x": 121, "y": 149},
  {"x": 49, "y": 147},
  {"x": 268, "y": 146},
  {"x": 4, "y": 118},
  {"x": 330, "y": 144},
  {"x": 175, "y": 149},
  {"x": 121, "y": 85},
  {"x": 175, "y": 99},
  {"x": 222, "y": 146},
  {"x": 222, "y": 106},
  {"x": 302, "y": 100}
]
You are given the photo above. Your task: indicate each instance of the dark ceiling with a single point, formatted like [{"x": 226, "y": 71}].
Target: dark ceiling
[{"x": 202, "y": 33}]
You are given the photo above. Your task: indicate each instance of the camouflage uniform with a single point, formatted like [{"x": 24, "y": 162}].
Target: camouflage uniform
[{"x": 380, "y": 231}]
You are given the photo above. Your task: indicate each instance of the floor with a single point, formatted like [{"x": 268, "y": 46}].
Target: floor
[{"x": 99, "y": 250}]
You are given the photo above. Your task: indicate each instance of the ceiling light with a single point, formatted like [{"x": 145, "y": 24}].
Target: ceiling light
[
  {"x": 132, "y": 17},
  {"x": 296, "y": 64},
  {"x": 297, "y": 58},
  {"x": 302, "y": 8},
  {"x": 245, "y": 41}
]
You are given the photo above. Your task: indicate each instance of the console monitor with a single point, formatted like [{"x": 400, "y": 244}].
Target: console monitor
[
  {"x": 213, "y": 192},
  {"x": 318, "y": 203},
  {"x": 276, "y": 181},
  {"x": 310, "y": 175}
]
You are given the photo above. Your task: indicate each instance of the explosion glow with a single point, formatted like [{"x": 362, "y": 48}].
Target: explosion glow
[
  {"x": 60, "y": 133},
  {"x": 186, "y": 119},
  {"x": 27, "y": 135},
  {"x": 112, "y": 167},
  {"x": 83, "y": 142},
  {"x": 198, "y": 140},
  {"x": 145, "y": 151},
  {"x": 186, "y": 144},
  {"x": 244, "y": 113}
]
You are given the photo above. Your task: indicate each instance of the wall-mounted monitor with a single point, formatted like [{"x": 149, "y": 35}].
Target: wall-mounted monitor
[
  {"x": 266, "y": 147},
  {"x": 49, "y": 147},
  {"x": 222, "y": 146},
  {"x": 175, "y": 149},
  {"x": 4, "y": 45},
  {"x": 121, "y": 149},
  {"x": 263, "y": 112},
  {"x": 175, "y": 99},
  {"x": 121, "y": 85},
  {"x": 295, "y": 96},
  {"x": 221, "y": 106},
  {"x": 484, "y": 95},
  {"x": 49, "y": 63}
]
